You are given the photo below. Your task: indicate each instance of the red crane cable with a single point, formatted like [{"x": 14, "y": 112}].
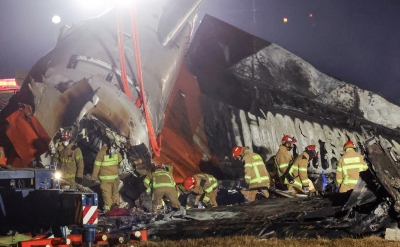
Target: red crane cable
[
  {"x": 121, "y": 51},
  {"x": 155, "y": 144}
]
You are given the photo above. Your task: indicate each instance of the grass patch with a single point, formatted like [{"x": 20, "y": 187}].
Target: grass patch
[{"x": 372, "y": 241}]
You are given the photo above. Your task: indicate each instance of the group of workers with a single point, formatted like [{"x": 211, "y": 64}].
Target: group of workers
[
  {"x": 161, "y": 184},
  {"x": 70, "y": 164},
  {"x": 290, "y": 173}
]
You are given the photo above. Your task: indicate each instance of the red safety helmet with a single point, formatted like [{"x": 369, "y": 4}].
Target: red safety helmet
[
  {"x": 288, "y": 139},
  {"x": 66, "y": 135},
  {"x": 348, "y": 144},
  {"x": 236, "y": 151},
  {"x": 313, "y": 149},
  {"x": 189, "y": 183}
]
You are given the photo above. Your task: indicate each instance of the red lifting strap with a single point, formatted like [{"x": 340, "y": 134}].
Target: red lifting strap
[
  {"x": 155, "y": 144},
  {"x": 121, "y": 52}
]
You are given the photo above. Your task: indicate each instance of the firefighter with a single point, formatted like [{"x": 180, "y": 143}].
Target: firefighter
[
  {"x": 298, "y": 170},
  {"x": 161, "y": 183},
  {"x": 70, "y": 160},
  {"x": 204, "y": 186},
  {"x": 283, "y": 158},
  {"x": 255, "y": 172},
  {"x": 349, "y": 167},
  {"x": 106, "y": 169}
]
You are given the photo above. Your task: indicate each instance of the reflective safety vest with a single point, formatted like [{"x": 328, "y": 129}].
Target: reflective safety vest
[
  {"x": 350, "y": 169},
  {"x": 108, "y": 162},
  {"x": 296, "y": 182},
  {"x": 256, "y": 166},
  {"x": 160, "y": 179},
  {"x": 211, "y": 180}
]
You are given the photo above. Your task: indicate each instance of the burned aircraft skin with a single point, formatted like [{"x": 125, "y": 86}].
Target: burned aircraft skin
[
  {"x": 254, "y": 92},
  {"x": 78, "y": 83}
]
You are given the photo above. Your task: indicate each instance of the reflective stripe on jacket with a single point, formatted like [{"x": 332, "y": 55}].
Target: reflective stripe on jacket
[
  {"x": 106, "y": 167},
  {"x": 282, "y": 160},
  {"x": 158, "y": 179},
  {"x": 349, "y": 167},
  {"x": 256, "y": 173},
  {"x": 205, "y": 183},
  {"x": 299, "y": 170},
  {"x": 71, "y": 161}
]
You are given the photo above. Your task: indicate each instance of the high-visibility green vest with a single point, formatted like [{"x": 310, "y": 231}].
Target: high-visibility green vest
[
  {"x": 257, "y": 162},
  {"x": 108, "y": 161},
  {"x": 212, "y": 180},
  {"x": 349, "y": 164}
]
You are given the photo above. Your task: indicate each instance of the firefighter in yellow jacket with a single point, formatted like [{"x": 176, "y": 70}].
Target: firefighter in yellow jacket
[
  {"x": 70, "y": 160},
  {"x": 283, "y": 158},
  {"x": 349, "y": 167},
  {"x": 255, "y": 172},
  {"x": 106, "y": 169},
  {"x": 204, "y": 186},
  {"x": 298, "y": 170},
  {"x": 161, "y": 183}
]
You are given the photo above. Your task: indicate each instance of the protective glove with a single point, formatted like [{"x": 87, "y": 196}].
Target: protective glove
[
  {"x": 78, "y": 180},
  {"x": 306, "y": 189}
]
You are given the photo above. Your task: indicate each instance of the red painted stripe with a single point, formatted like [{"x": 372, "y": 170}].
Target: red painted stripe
[
  {"x": 85, "y": 210},
  {"x": 93, "y": 218}
]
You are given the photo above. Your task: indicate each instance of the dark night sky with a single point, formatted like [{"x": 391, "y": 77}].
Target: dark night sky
[{"x": 357, "y": 41}]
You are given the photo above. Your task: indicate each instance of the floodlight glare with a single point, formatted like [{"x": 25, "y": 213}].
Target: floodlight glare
[
  {"x": 56, "y": 19},
  {"x": 57, "y": 175}
]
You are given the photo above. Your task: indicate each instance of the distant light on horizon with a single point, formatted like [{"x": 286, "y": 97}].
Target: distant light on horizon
[
  {"x": 56, "y": 19},
  {"x": 285, "y": 20},
  {"x": 310, "y": 15}
]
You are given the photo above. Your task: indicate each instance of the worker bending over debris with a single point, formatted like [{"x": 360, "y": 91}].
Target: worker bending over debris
[
  {"x": 255, "y": 172},
  {"x": 161, "y": 183},
  {"x": 204, "y": 186},
  {"x": 349, "y": 167},
  {"x": 106, "y": 169},
  {"x": 298, "y": 175},
  {"x": 70, "y": 161},
  {"x": 282, "y": 160}
]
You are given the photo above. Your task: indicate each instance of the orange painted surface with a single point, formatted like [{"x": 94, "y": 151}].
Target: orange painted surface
[
  {"x": 182, "y": 116},
  {"x": 27, "y": 136}
]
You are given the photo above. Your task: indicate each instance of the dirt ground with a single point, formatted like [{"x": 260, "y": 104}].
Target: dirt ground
[{"x": 255, "y": 242}]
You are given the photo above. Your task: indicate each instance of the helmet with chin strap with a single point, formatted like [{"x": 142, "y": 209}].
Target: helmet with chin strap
[
  {"x": 66, "y": 136},
  {"x": 348, "y": 144},
  {"x": 313, "y": 150},
  {"x": 288, "y": 139}
]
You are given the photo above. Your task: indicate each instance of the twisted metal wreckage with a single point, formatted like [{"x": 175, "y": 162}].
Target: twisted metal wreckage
[{"x": 246, "y": 91}]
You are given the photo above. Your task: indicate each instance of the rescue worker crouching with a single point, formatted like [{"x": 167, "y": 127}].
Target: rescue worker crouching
[
  {"x": 283, "y": 158},
  {"x": 70, "y": 159},
  {"x": 349, "y": 167},
  {"x": 161, "y": 183},
  {"x": 106, "y": 169},
  {"x": 204, "y": 186},
  {"x": 298, "y": 170},
  {"x": 256, "y": 174}
]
